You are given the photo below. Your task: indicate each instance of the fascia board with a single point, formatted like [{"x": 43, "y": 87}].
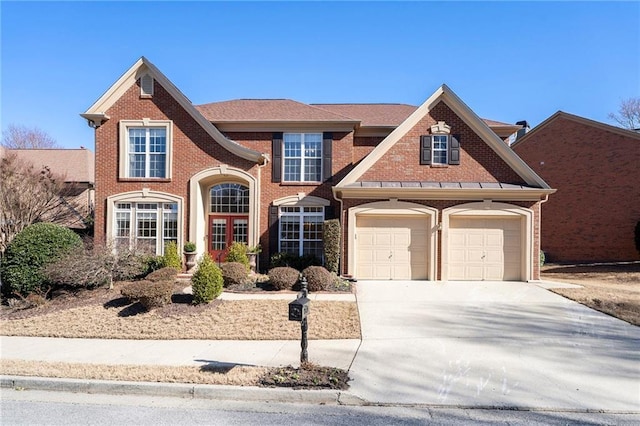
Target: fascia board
[
  {"x": 490, "y": 138},
  {"x": 533, "y": 194},
  {"x": 271, "y": 126}
]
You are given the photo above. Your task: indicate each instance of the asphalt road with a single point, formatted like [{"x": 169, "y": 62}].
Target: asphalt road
[{"x": 60, "y": 408}]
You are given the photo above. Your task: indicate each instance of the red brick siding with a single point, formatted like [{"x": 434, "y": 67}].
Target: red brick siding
[
  {"x": 591, "y": 218},
  {"x": 478, "y": 162}
]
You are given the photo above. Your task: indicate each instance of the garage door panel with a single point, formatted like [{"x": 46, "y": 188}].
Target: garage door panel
[
  {"x": 392, "y": 247},
  {"x": 484, "y": 248}
]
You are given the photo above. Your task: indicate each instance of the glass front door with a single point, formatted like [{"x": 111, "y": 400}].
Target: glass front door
[{"x": 224, "y": 231}]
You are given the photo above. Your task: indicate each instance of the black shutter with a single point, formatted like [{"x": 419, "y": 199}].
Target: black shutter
[
  {"x": 329, "y": 213},
  {"x": 274, "y": 230},
  {"x": 276, "y": 162},
  {"x": 425, "y": 149},
  {"x": 454, "y": 150},
  {"x": 327, "y": 145}
]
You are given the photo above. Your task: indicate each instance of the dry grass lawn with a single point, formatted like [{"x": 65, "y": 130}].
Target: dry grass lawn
[
  {"x": 237, "y": 375},
  {"x": 612, "y": 289},
  {"x": 223, "y": 320}
]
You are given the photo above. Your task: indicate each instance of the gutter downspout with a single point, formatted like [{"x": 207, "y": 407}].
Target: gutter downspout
[
  {"x": 542, "y": 201},
  {"x": 341, "y": 263}
]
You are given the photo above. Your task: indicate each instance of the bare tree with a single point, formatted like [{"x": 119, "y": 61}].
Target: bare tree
[
  {"x": 22, "y": 137},
  {"x": 28, "y": 195},
  {"x": 628, "y": 115}
]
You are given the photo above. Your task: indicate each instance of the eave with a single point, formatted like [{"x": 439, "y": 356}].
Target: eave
[{"x": 529, "y": 194}]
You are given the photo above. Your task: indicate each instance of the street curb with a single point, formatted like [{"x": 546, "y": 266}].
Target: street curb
[{"x": 181, "y": 390}]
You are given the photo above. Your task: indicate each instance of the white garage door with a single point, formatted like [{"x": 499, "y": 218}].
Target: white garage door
[
  {"x": 392, "y": 248},
  {"x": 485, "y": 249}
]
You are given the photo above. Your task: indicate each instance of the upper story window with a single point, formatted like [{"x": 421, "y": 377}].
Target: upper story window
[
  {"x": 302, "y": 157},
  {"x": 147, "y": 152},
  {"x": 146, "y": 149},
  {"x": 439, "y": 149}
]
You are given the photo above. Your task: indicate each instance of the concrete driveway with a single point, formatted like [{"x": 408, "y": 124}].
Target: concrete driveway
[{"x": 493, "y": 344}]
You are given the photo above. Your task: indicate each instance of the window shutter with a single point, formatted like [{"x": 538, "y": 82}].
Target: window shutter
[
  {"x": 454, "y": 150},
  {"x": 329, "y": 213},
  {"x": 276, "y": 163},
  {"x": 327, "y": 146},
  {"x": 425, "y": 149},
  {"x": 274, "y": 230}
]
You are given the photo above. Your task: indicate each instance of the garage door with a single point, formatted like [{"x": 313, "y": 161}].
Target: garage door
[
  {"x": 485, "y": 249},
  {"x": 392, "y": 248}
]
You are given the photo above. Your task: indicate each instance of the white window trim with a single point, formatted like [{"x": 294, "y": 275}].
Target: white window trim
[
  {"x": 302, "y": 157},
  {"x": 144, "y": 196},
  {"x": 300, "y": 215},
  {"x": 445, "y": 150},
  {"x": 125, "y": 125}
]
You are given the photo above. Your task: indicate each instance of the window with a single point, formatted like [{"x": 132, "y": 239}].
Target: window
[
  {"x": 440, "y": 149},
  {"x": 229, "y": 198},
  {"x": 301, "y": 230},
  {"x": 147, "y": 227},
  {"x": 146, "y": 149},
  {"x": 302, "y": 157}
]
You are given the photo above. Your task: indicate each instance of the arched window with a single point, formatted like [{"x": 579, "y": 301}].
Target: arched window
[{"x": 229, "y": 198}]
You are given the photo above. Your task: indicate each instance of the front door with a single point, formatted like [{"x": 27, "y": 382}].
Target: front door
[{"x": 224, "y": 231}]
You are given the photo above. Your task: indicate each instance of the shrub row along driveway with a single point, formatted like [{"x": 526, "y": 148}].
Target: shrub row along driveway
[{"x": 491, "y": 344}]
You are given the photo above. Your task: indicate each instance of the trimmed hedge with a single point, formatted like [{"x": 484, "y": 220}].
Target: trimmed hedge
[
  {"x": 164, "y": 274},
  {"x": 206, "y": 282},
  {"x": 34, "y": 248},
  {"x": 233, "y": 273},
  {"x": 150, "y": 294},
  {"x": 283, "y": 277},
  {"x": 282, "y": 259},
  {"x": 318, "y": 278},
  {"x": 331, "y": 244}
]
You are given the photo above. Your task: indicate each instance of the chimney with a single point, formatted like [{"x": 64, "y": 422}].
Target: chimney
[{"x": 525, "y": 128}]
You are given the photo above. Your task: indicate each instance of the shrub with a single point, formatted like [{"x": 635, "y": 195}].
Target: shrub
[
  {"x": 283, "y": 277},
  {"x": 294, "y": 261},
  {"x": 189, "y": 247},
  {"x": 543, "y": 258},
  {"x": 30, "y": 251},
  {"x": 238, "y": 253},
  {"x": 163, "y": 274},
  {"x": 149, "y": 294},
  {"x": 148, "y": 263},
  {"x": 171, "y": 258},
  {"x": 318, "y": 278},
  {"x": 206, "y": 282},
  {"x": 331, "y": 243},
  {"x": 233, "y": 273}
]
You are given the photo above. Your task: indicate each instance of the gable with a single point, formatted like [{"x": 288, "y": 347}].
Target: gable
[
  {"x": 418, "y": 120},
  {"x": 478, "y": 162},
  {"x": 97, "y": 113}
]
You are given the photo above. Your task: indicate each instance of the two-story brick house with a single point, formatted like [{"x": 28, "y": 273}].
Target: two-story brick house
[{"x": 422, "y": 193}]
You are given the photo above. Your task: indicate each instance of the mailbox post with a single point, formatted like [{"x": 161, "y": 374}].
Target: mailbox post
[{"x": 298, "y": 311}]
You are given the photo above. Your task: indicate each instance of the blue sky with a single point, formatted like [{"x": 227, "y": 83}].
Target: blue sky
[{"x": 508, "y": 61}]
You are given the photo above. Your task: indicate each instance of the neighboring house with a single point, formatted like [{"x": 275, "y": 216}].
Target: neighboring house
[
  {"x": 428, "y": 192},
  {"x": 77, "y": 167},
  {"x": 595, "y": 168}
]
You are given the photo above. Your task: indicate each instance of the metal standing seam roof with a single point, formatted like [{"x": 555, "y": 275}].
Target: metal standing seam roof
[{"x": 437, "y": 185}]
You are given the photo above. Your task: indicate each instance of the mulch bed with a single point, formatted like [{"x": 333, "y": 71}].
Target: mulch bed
[{"x": 308, "y": 376}]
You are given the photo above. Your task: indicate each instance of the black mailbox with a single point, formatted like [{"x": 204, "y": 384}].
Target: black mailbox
[{"x": 299, "y": 309}]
